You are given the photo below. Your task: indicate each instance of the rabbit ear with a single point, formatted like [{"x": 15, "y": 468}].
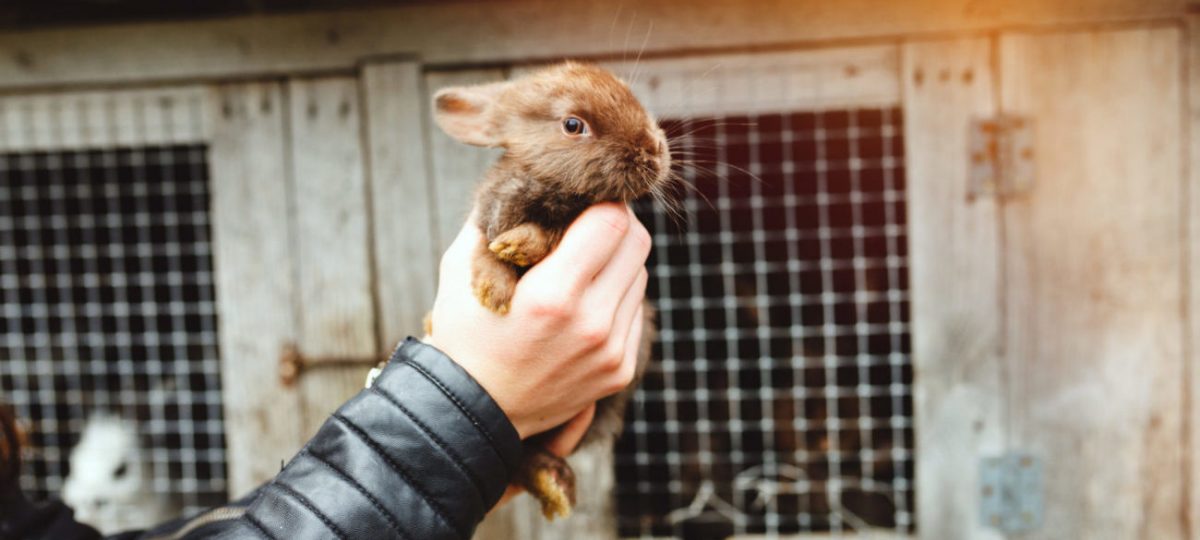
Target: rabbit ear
[{"x": 470, "y": 113}]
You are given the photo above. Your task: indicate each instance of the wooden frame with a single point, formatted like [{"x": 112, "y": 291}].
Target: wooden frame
[
  {"x": 954, "y": 256},
  {"x": 1191, "y": 210},
  {"x": 128, "y": 117},
  {"x": 320, "y": 42}
]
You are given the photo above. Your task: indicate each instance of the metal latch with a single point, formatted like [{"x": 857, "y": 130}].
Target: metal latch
[
  {"x": 1011, "y": 497},
  {"x": 1001, "y": 160},
  {"x": 292, "y": 363}
]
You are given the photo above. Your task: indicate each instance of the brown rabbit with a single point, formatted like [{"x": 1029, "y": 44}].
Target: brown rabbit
[{"x": 573, "y": 135}]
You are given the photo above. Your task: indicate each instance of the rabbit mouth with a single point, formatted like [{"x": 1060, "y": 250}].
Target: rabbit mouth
[{"x": 636, "y": 186}]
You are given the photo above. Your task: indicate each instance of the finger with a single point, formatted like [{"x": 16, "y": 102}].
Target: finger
[
  {"x": 626, "y": 313},
  {"x": 567, "y": 438},
  {"x": 633, "y": 344},
  {"x": 454, "y": 271},
  {"x": 586, "y": 246},
  {"x": 626, "y": 266}
]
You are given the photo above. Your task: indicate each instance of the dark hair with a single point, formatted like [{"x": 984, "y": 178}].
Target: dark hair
[{"x": 10, "y": 449}]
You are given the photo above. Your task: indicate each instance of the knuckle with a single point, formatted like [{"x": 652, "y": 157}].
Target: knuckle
[
  {"x": 593, "y": 335},
  {"x": 549, "y": 305},
  {"x": 613, "y": 359},
  {"x": 550, "y": 310}
]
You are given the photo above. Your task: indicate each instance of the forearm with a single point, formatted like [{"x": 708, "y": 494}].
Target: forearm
[{"x": 422, "y": 454}]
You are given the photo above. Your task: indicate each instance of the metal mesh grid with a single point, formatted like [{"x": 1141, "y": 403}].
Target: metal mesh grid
[
  {"x": 108, "y": 305},
  {"x": 781, "y": 398}
]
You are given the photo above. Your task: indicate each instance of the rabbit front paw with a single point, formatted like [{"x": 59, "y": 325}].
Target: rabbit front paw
[
  {"x": 523, "y": 245},
  {"x": 495, "y": 295}
]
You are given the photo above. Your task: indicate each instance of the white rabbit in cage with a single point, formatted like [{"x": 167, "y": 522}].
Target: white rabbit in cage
[{"x": 110, "y": 486}]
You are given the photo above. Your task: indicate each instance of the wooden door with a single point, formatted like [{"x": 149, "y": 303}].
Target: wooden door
[
  {"x": 1050, "y": 321},
  {"x": 293, "y": 261},
  {"x": 1093, "y": 277}
]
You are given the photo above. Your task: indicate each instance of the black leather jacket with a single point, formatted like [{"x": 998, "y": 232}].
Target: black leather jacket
[{"x": 422, "y": 454}]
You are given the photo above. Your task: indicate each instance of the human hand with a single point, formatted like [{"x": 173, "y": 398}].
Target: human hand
[{"x": 571, "y": 335}]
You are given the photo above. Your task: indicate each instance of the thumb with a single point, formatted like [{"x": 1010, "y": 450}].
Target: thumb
[{"x": 567, "y": 438}]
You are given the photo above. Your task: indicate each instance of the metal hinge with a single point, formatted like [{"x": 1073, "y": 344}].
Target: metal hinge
[
  {"x": 1010, "y": 497},
  {"x": 1001, "y": 160}
]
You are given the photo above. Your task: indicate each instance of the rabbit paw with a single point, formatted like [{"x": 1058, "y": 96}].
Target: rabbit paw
[
  {"x": 523, "y": 245},
  {"x": 494, "y": 294},
  {"x": 551, "y": 481},
  {"x": 492, "y": 280}
]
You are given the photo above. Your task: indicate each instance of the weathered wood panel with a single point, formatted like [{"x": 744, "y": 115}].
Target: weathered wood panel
[
  {"x": 471, "y": 32},
  {"x": 254, "y": 278},
  {"x": 402, "y": 201},
  {"x": 1192, "y": 279},
  {"x": 104, "y": 118},
  {"x": 1093, "y": 279},
  {"x": 733, "y": 84},
  {"x": 332, "y": 263},
  {"x": 457, "y": 167},
  {"x": 954, "y": 259}
]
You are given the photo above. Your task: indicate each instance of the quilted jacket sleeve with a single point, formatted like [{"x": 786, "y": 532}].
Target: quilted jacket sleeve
[{"x": 422, "y": 454}]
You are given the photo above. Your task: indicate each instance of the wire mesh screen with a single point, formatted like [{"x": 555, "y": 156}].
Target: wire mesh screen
[
  {"x": 781, "y": 400},
  {"x": 107, "y": 291}
]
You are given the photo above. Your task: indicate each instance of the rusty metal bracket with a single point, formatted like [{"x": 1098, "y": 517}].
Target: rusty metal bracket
[
  {"x": 292, "y": 363},
  {"x": 1001, "y": 157}
]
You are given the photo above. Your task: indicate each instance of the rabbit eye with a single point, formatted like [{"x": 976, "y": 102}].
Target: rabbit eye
[
  {"x": 121, "y": 470},
  {"x": 574, "y": 126}
]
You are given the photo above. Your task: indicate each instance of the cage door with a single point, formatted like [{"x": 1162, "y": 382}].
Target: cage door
[{"x": 106, "y": 281}]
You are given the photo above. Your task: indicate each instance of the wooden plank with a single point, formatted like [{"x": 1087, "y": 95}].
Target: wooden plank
[
  {"x": 1192, "y": 279},
  {"x": 732, "y": 84},
  {"x": 954, "y": 253},
  {"x": 329, "y": 220},
  {"x": 254, "y": 281},
  {"x": 445, "y": 33},
  {"x": 402, "y": 201},
  {"x": 103, "y": 118},
  {"x": 1093, "y": 278},
  {"x": 457, "y": 167}
]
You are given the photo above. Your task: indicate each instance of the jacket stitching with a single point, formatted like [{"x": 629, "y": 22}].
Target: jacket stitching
[
  {"x": 290, "y": 491},
  {"x": 454, "y": 398},
  {"x": 258, "y": 526},
  {"x": 455, "y": 458},
  {"x": 362, "y": 490},
  {"x": 437, "y": 508}
]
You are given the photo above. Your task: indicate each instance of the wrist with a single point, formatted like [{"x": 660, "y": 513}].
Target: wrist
[{"x": 488, "y": 383}]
